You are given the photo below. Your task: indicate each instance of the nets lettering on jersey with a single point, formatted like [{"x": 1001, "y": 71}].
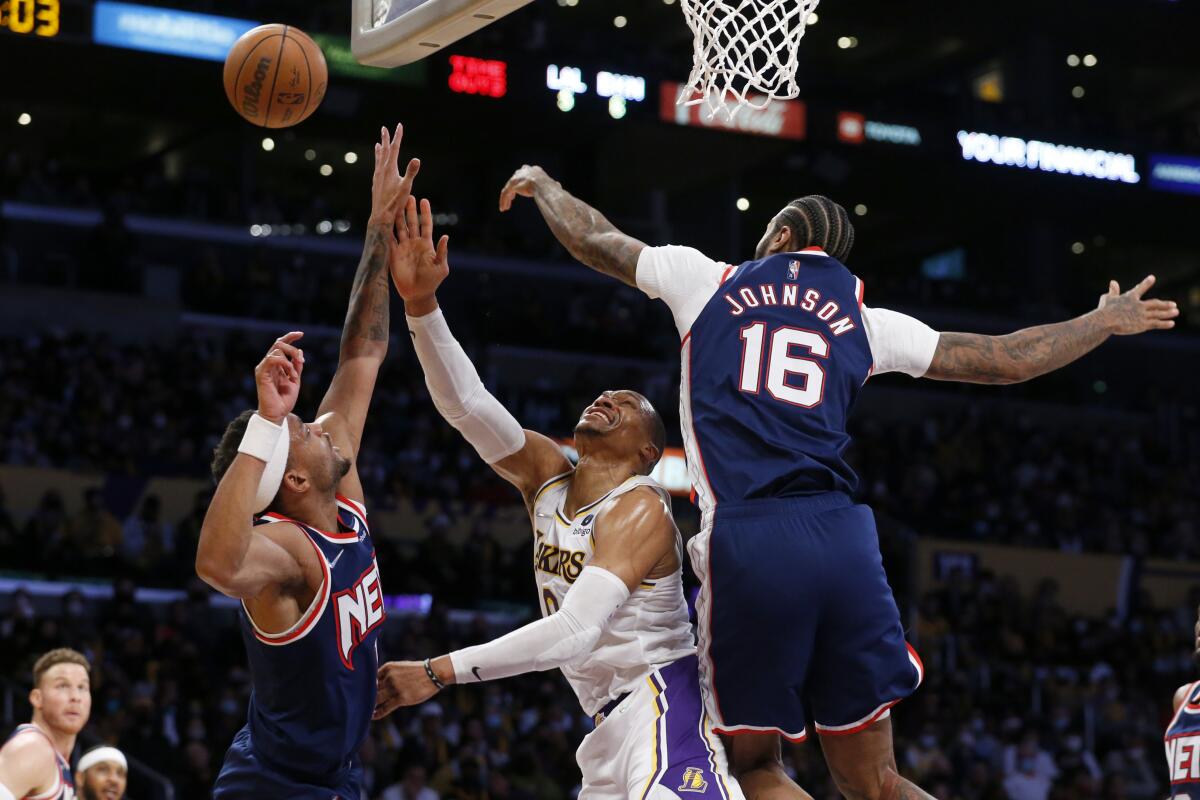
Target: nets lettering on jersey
[{"x": 746, "y": 52}]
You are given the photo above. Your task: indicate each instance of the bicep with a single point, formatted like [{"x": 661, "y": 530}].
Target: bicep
[
  {"x": 682, "y": 277},
  {"x": 537, "y": 462},
  {"x": 349, "y": 397},
  {"x": 899, "y": 343},
  {"x": 634, "y": 536}
]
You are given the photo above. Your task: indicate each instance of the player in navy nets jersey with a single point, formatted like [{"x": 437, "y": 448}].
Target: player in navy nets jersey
[
  {"x": 287, "y": 534},
  {"x": 795, "y": 610},
  {"x": 1182, "y": 738},
  {"x": 607, "y": 562},
  {"x": 35, "y": 761}
]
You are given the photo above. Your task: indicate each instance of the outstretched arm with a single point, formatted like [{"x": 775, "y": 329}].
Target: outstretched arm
[
  {"x": 365, "y": 333},
  {"x": 524, "y": 458},
  {"x": 583, "y": 230},
  {"x": 1029, "y": 353},
  {"x": 635, "y": 539}
]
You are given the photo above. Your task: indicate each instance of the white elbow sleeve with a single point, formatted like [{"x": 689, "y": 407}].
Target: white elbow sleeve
[
  {"x": 552, "y": 641},
  {"x": 458, "y": 393}
]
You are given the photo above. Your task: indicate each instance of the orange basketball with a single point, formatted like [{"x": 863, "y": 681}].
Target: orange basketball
[{"x": 275, "y": 76}]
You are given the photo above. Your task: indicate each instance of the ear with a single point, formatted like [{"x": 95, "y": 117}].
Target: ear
[
  {"x": 296, "y": 482},
  {"x": 783, "y": 239},
  {"x": 35, "y": 698},
  {"x": 650, "y": 455}
]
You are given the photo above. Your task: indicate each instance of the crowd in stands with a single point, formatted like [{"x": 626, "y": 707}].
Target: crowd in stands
[{"x": 1022, "y": 701}]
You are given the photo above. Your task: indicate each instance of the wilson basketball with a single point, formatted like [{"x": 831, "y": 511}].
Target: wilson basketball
[{"x": 275, "y": 76}]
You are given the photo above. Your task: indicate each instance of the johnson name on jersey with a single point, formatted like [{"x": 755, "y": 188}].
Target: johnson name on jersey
[{"x": 651, "y": 629}]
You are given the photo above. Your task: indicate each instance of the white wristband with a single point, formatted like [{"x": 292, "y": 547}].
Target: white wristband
[
  {"x": 267, "y": 442},
  {"x": 260, "y": 438}
]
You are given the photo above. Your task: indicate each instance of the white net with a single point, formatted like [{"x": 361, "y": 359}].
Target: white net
[{"x": 746, "y": 52}]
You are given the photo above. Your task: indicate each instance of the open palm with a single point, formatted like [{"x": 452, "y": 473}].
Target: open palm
[{"x": 417, "y": 267}]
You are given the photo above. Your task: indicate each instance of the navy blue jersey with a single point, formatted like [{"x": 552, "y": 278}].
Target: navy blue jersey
[
  {"x": 63, "y": 787},
  {"x": 314, "y": 685},
  {"x": 771, "y": 369},
  {"x": 1183, "y": 747}
]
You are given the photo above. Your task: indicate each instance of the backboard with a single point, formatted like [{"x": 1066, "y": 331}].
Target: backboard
[{"x": 390, "y": 33}]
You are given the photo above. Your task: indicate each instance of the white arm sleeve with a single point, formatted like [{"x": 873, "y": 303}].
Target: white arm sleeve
[
  {"x": 682, "y": 277},
  {"x": 898, "y": 342},
  {"x": 551, "y": 641},
  {"x": 458, "y": 393}
]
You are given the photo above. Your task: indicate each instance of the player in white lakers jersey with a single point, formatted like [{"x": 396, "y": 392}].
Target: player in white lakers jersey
[
  {"x": 35, "y": 761},
  {"x": 607, "y": 557}
]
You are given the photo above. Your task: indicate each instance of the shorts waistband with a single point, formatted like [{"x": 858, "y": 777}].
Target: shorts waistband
[{"x": 782, "y": 506}]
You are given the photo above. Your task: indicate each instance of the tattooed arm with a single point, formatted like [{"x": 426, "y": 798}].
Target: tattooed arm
[
  {"x": 1026, "y": 354},
  {"x": 583, "y": 230},
  {"x": 365, "y": 333}
]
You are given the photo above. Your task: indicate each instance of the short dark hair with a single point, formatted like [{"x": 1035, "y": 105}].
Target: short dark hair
[
  {"x": 227, "y": 450},
  {"x": 61, "y": 655},
  {"x": 817, "y": 221},
  {"x": 655, "y": 428}
]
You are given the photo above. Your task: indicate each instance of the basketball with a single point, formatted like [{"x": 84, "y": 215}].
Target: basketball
[{"x": 275, "y": 76}]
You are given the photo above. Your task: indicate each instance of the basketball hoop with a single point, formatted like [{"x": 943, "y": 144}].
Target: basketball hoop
[{"x": 746, "y": 52}]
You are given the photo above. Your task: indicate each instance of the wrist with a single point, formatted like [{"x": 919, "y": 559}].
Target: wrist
[
  {"x": 271, "y": 418},
  {"x": 421, "y": 306},
  {"x": 1108, "y": 319},
  {"x": 444, "y": 669}
]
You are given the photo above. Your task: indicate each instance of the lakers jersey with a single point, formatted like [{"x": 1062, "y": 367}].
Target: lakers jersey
[
  {"x": 314, "y": 685},
  {"x": 1182, "y": 741},
  {"x": 64, "y": 783},
  {"x": 651, "y": 629}
]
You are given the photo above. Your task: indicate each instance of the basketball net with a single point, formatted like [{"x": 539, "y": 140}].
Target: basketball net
[{"x": 746, "y": 52}]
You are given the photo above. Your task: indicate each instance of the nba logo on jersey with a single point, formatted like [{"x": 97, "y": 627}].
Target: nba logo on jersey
[
  {"x": 693, "y": 781},
  {"x": 793, "y": 271}
]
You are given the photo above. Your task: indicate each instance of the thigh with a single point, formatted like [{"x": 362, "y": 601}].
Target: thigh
[
  {"x": 757, "y": 622},
  {"x": 862, "y": 665}
]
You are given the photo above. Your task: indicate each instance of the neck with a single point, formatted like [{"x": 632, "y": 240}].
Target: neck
[
  {"x": 595, "y": 476},
  {"x": 319, "y": 512},
  {"x": 64, "y": 743}
]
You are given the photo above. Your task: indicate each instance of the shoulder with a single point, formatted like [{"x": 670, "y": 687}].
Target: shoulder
[
  {"x": 659, "y": 267},
  {"x": 1181, "y": 695},
  {"x": 644, "y": 506},
  {"x": 29, "y": 756}
]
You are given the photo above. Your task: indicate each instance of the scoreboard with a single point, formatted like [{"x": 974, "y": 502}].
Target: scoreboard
[{"x": 31, "y": 17}]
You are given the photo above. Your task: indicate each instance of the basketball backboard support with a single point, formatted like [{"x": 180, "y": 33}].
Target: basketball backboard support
[{"x": 391, "y": 33}]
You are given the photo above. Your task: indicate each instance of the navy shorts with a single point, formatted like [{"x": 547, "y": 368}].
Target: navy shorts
[
  {"x": 245, "y": 775},
  {"x": 795, "y": 610}
]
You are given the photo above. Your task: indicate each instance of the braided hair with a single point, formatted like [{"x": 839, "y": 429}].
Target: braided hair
[{"x": 817, "y": 221}]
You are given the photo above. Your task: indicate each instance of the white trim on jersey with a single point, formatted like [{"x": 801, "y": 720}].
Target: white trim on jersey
[
  {"x": 1183, "y": 707},
  {"x": 309, "y": 619},
  {"x": 705, "y": 497},
  {"x": 358, "y": 508},
  {"x": 734, "y": 730},
  {"x": 882, "y": 712}
]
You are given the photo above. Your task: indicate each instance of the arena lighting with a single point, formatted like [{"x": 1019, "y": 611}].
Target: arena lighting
[
  {"x": 480, "y": 76},
  {"x": 1011, "y": 151},
  {"x": 268, "y": 144},
  {"x": 24, "y": 118}
]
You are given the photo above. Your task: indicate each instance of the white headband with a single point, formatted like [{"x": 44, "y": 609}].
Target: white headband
[{"x": 93, "y": 757}]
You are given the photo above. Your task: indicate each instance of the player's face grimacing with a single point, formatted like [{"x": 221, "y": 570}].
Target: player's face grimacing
[
  {"x": 626, "y": 421},
  {"x": 313, "y": 453},
  {"x": 64, "y": 697}
]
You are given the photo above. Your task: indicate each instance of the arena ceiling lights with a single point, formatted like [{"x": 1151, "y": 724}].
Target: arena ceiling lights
[{"x": 1011, "y": 151}]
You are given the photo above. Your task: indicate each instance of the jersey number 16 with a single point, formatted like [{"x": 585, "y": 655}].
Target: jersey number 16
[{"x": 782, "y": 364}]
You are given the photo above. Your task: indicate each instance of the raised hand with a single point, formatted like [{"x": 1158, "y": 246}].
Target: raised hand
[
  {"x": 401, "y": 684},
  {"x": 418, "y": 268},
  {"x": 1129, "y": 314},
  {"x": 524, "y": 182},
  {"x": 389, "y": 189},
  {"x": 277, "y": 378}
]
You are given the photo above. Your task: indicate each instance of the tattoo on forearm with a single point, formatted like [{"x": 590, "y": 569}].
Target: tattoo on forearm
[
  {"x": 1019, "y": 356},
  {"x": 367, "y": 319},
  {"x": 589, "y": 236}
]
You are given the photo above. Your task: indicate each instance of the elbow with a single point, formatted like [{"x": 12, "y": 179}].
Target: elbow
[{"x": 217, "y": 572}]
